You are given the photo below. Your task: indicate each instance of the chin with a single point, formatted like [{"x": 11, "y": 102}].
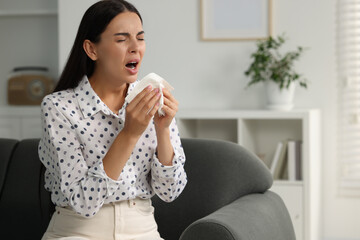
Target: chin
[{"x": 132, "y": 79}]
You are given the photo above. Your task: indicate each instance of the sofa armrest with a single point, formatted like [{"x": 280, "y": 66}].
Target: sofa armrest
[{"x": 255, "y": 216}]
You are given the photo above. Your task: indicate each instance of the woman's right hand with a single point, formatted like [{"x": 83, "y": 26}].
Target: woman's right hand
[{"x": 140, "y": 111}]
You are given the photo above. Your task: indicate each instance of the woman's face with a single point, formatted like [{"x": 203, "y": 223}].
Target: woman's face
[{"x": 121, "y": 48}]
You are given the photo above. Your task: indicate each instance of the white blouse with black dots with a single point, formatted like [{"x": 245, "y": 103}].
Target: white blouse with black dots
[{"x": 78, "y": 130}]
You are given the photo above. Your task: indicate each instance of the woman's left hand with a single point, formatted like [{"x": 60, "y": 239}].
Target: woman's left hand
[{"x": 170, "y": 109}]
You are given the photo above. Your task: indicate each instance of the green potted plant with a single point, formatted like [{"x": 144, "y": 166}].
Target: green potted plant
[{"x": 276, "y": 70}]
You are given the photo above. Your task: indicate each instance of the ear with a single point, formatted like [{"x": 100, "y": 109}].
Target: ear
[{"x": 90, "y": 49}]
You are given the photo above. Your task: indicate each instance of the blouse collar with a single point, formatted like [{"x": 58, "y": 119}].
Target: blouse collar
[{"x": 90, "y": 103}]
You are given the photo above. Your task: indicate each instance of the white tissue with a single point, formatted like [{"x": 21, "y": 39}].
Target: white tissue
[{"x": 156, "y": 82}]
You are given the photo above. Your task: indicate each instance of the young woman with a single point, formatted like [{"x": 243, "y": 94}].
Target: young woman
[{"x": 105, "y": 158}]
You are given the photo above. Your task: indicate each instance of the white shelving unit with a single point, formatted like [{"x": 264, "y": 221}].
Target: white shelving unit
[
  {"x": 30, "y": 38},
  {"x": 20, "y": 122},
  {"x": 27, "y": 13},
  {"x": 260, "y": 131}
]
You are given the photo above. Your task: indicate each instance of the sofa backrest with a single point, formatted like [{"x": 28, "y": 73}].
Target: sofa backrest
[
  {"x": 7, "y": 146},
  {"x": 25, "y": 206},
  {"x": 218, "y": 172}
]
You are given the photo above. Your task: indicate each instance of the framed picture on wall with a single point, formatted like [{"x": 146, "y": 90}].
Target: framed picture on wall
[{"x": 235, "y": 19}]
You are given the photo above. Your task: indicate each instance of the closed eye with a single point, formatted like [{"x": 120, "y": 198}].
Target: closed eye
[{"x": 141, "y": 36}]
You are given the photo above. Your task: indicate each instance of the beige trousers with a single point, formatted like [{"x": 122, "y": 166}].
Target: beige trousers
[{"x": 125, "y": 220}]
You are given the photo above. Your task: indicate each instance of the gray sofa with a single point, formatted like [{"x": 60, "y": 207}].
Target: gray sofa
[{"x": 226, "y": 197}]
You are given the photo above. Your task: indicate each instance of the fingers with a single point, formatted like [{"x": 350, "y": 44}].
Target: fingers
[
  {"x": 147, "y": 103},
  {"x": 170, "y": 101},
  {"x": 142, "y": 94},
  {"x": 168, "y": 95},
  {"x": 154, "y": 110},
  {"x": 143, "y": 98},
  {"x": 170, "y": 104},
  {"x": 168, "y": 111},
  {"x": 140, "y": 111}
]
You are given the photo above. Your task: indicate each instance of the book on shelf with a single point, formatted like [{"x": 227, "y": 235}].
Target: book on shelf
[
  {"x": 278, "y": 162},
  {"x": 298, "y": 161},
  {"x": 287, "y": 162},
  {"x": 291, "y": 160},
  {"x": 275, "y": 160},
  {"x": 285, "y": 173},
  {"x": 295, "y": 160}
]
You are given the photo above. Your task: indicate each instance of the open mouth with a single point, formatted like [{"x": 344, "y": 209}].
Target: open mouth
[{"x": 132, "y": 64}]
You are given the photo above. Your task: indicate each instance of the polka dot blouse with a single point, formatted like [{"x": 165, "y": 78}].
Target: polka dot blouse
[{"x": 78, "y": 130}]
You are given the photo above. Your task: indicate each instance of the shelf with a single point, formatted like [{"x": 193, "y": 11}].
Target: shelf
[
  {"x": 28, "y": 13},
  {"x": 244, "y": 114},
  {"x": 288, "y": 183},
  {"x": 19, "y": 111}
]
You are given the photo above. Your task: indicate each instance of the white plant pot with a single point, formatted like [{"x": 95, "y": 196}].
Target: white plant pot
[{"x": 279, "y": 99}]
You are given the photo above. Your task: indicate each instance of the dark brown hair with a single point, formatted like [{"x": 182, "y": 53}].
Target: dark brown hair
[{"x": 93, "y": 24}]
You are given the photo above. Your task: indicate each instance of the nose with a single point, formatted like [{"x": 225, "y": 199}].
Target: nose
[{"x": 134, "y": 46}]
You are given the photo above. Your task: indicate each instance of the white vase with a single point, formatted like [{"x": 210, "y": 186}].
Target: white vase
[{"x": 279, "y": 99}]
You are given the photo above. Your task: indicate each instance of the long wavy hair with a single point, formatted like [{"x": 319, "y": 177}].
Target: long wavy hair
[{"x": 93, "y": 24}]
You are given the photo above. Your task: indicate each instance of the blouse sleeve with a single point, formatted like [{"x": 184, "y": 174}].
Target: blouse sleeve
[
  {"x": 72, "y": 181},
  {"x": 169, "y": 181}
]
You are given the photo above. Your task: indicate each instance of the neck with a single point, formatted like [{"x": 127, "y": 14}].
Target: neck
[{"x": 113, "y": 95}]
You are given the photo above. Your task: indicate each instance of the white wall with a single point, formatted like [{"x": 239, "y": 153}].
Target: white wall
[
  {"x": 70, "y": 14},
  {"x": 210, "y": 74}
]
